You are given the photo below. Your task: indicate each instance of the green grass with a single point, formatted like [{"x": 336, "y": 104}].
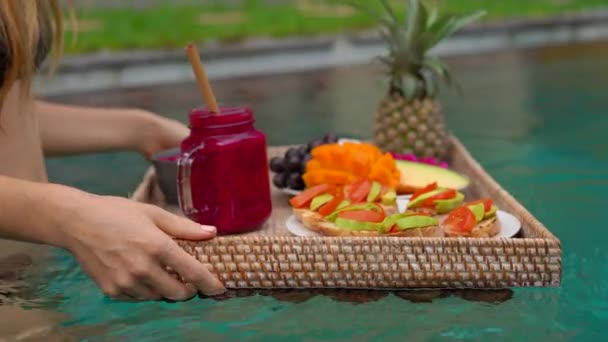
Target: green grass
[{"x": 173, "y": 26}]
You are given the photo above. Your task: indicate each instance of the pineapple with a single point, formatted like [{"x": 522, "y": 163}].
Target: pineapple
[{"x": 409, "y": 119}]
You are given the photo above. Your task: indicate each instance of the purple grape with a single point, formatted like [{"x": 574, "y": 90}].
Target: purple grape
[
  {"x": 293, "y": 164},
  {"x": 277, "y": 165},
  {"x": 280, "y": 180},
  {"x": 295, "y": 181}
]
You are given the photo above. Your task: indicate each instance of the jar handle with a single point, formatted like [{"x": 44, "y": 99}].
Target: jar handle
[{"x": 184, "y": 187}]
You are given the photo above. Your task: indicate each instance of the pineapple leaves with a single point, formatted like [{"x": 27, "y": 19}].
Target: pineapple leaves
[
  {"x": 432, "y": 17},
  {"x": 369, "y": 11},
  {"x": 441, "y": 71},
  {"x": 438, "y": 68},
  {"x": 390, "y": 11},
  {"x": 408, "y": 39},
  {"x": 449, "y": 24},
  {"x": 415, "y": 22},
  {"x": 431, "y": 87}
]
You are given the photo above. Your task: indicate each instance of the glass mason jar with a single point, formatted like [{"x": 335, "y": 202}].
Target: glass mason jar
[{"x": 223, "y": 176}]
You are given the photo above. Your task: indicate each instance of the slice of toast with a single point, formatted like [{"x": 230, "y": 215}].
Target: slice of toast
[
  {"x": 316, "y": 223},
  {"x": 485, "y": 229}
]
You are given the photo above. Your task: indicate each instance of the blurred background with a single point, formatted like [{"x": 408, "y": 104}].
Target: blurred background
[{"x": 114, "y": 25}]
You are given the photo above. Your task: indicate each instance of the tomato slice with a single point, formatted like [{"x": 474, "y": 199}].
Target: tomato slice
[
  {"x": 363, "y": 215},
  {"x": 305, "y": 197},
  {"x": 330, "y": 206},
  {"x": 428, "y": 188},
  {"x": 359, "y": 191},
  {"x": 347, "y": 189},
  {"x": 451, "y": 193},
  {"x": 384, "y": 190},
  {"x": 394, "y": 229},
  {"x": 487, "y": 203},
  {"x": 461, "y": 220}
]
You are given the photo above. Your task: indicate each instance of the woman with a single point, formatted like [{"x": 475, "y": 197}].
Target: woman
[{"x": 124, "y": 246}]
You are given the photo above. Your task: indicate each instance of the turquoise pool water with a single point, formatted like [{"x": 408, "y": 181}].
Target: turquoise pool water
[{"x": 536, "y": 120}]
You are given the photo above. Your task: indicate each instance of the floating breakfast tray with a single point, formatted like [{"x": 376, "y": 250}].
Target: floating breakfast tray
[{"x": 272, "y": 258}]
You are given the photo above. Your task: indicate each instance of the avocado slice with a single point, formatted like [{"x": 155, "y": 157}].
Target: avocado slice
[
  {"x": 418, "y": 200},
  {"x": 478, "y": 210},
  {"x": 357, "y": 225},
  {"x": 447, "y": 205},
  {"x": 490, "y": 213},
  {"x": 416, "y": 221},
  {"x": 343, "y": 204},
  {"x": 319, "y": 201},
  {"x": 389, "y": 197},
  {"x": 374, "y": 192},
  {"x": 390, "y": 221},
  {"x": 363, "y": 206}
]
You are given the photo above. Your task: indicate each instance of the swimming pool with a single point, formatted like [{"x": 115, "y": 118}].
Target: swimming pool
[{"x": 536, "y": 120}]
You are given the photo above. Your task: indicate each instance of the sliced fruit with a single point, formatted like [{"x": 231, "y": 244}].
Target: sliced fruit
[
  {"x": 415, "y": 176},
  {"x": 359, "y": 191},
  {"x": 319, "y": 201},
  {"x": 394, "y": 229},
  {"x": 487, "y": 203},
  {"x": 355, "y": 207},
  {"x": 490, "y": 213},
  {"x": 447, "y": 205},
  {"x": 428, "y": 188},
  {"x": 357, "y": 225},
  {"x": 391, "y": 220},
  {"x": 345, "y": 203},
  {"x": 443, "y": 195},
  {"x": 321, "y": 176},
  {"x": 461, "y": 220},
  {"x": 416, "y": 221},
  {"x": 478, "y": 210},
  {"x": 374, "y": 192},
  {"x": 420, "y": 199},
  {"x": 331, "y": 205},
  {"x": 389, "y": 197},
  {"x": 363, "y": 215},
  {"x": 305, "y": 197},
  {"x": 344, "y": 163}
]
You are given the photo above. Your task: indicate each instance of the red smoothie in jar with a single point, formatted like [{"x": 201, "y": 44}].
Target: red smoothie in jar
[{"x": 223, "y": 177}]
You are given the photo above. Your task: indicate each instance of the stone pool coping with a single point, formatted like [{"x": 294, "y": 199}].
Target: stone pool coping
[
  {"x": 257, "y": 46},
  {"x": 105, "y": 70}
]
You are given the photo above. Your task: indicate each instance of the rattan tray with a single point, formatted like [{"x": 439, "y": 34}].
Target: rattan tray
[{"x": 274, "y": 259}]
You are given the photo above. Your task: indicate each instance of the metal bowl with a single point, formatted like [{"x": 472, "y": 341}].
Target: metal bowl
[{"x": 165, "y": 165}]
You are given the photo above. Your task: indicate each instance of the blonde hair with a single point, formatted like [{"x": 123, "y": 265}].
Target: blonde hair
[{"x": 27, "y": 27}]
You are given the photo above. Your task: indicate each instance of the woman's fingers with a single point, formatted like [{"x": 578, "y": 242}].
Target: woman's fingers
[
  {"x": 139, "y": 292},
  {"x": 192, "y": 271},
  {"x": 181, "y": 227},
  {"x": 167, "y": 286}
]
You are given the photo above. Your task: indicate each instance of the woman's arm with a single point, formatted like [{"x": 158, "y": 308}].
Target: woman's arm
[
  {"x": 68, "y": 129},
  {"x": 123, "y": 245}
]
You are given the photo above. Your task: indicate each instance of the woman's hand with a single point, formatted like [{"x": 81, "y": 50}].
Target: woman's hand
[
  {"x": 126, "y": 246},
  {"x": 159, "y": 133}
]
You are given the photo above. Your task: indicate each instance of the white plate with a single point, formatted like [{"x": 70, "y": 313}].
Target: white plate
[
  {"x": 509, "y": 226},
  {"x": 291, "y": 192},
  {"x": 298, "y": 229}
]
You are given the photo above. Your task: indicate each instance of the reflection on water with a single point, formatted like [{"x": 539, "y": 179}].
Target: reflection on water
[{"x": 535, "y": 120}]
